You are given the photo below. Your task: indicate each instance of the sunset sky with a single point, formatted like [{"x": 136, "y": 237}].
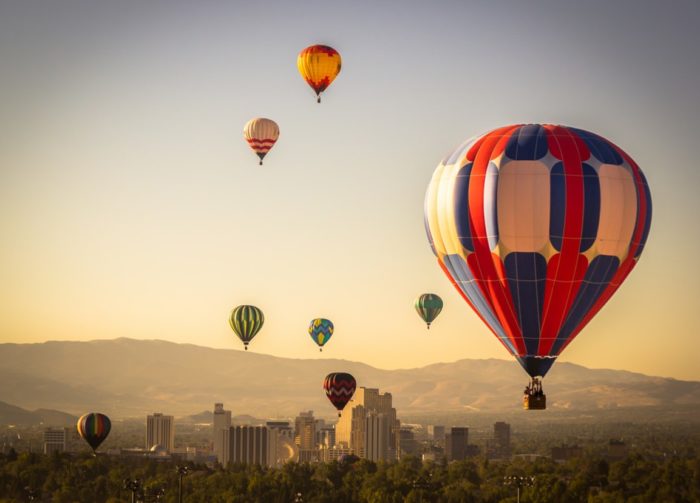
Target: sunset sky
[{"x": 130, "y": 205}]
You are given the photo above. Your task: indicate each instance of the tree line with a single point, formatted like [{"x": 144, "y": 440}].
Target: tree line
[{"x": 64, "y": 478}]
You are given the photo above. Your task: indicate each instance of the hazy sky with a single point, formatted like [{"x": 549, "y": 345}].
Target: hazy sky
[{"x": 131, "y": 206}]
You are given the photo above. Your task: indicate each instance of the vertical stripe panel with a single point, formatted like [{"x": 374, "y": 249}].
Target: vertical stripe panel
[
  {"x": 463, "y": 279},
  {"x": 523, "y": 206},
  {"x": 591, "y": 207},
  {"x": 557, "y": 196},
  {"x": 566, "y": 269},
  {"x": 618, "y": 210},
  {"x": 526, "y": 273},
  {"x": 491, "y": 205},
  {"x": 482, "y": 261},
  {"x": 461, "y": 207},
  {"x": 598, "y": 276}
]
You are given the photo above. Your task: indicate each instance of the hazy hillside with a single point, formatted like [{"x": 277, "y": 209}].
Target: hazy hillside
[
  {"x": 10, "y": 414},
  {"x": 125, "y": 377}
]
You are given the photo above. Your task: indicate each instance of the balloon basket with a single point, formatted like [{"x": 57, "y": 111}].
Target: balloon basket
[
  {"x": 534, "y": 398},
  {"x": 534, "y": 402}
]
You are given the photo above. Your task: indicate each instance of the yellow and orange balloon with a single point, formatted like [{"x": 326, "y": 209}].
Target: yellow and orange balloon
[
  {"x": 261, "y": 134},
  {"x": 319, "y": 65}
]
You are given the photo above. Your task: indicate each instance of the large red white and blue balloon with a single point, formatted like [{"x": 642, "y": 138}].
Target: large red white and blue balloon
[{"x": 537, "y": 226}]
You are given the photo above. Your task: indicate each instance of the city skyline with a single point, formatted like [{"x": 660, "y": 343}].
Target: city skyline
[
  {"x": 271, "y": 442},
  {"x": 131, "y": 206}
]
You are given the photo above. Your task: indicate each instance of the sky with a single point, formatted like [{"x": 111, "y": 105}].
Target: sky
[{"x": 130, "y": 206}]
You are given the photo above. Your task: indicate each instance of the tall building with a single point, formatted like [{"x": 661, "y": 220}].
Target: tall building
[
  {"x": 283, "y": 427},
  {"x": 286, "y": 450},
  {"x": 325, "y": 436},
  {"x": 351, "y": 431},
  {"x": 251, "y": 445},
  {"x": 160, "y": 431},
  {"x": 456, "y": 443},
  {"x": 407, "y": 442},
  {"x": 305, "y": 430},
  {"x": 501, "y": 439},
  {"x": 305, "y": 437},
  {"x": 436, "y": 432},
  {"x": 55, "y": 440},
  {"x": 222, "y": 422},
  {"x": 377, "y": 437}
]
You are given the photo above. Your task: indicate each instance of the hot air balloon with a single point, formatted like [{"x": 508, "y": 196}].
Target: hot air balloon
[
  {"x": 537, "y": 226},
  {"x": 261, "y": 134},
  {"x": 319, "y": 65},
  {"x": 320, "y": 331},
  {"x": 340, "y": 387},
  {"x": 428, "y": 306},
  {"x": 246, "y": 321},
  {"x": 94, "y": 427}
]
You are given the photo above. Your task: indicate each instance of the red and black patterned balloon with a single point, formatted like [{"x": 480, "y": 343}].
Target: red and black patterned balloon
[{"x": 339, "y": 386}]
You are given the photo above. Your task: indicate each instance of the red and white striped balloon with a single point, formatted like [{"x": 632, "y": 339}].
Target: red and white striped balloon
[{"x": 261, "y": 134}]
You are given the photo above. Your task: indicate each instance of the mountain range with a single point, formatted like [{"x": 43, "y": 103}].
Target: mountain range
[
  {"x": 11, "y": 414},
  {"x": 129, "y": 378}
]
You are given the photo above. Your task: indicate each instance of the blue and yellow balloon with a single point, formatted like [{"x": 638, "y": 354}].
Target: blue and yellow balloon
[{"x": 321, "y": 331}]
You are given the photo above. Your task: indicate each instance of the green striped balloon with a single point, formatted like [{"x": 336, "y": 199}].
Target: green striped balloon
[
  {"x": 428, "y": 306},
  {"x": 246, "y": 321}
]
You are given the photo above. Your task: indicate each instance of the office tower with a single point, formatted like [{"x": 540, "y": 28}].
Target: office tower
[
  {"x": 305, "y": 430},
  {"x": 436, "y": 432},
  {"x": 501, "y": 437},
  {"x": 225, "y": 447},
  {"x": 407, "y": 442},
  {"x": 305, "y": 436},
  {"x": 251, "y": 445},
  {"x": 55, "y": 440},
  {"x": 456, "y": 443},
  {"x": 325, "y": 436},
  {"x": 351, "y": 429},
  {"x": 286, "y": 450},
  {"x": 283, "y": 428},
  {"x": 377, "y": 436},
  {"x": 160, "y": 431},
  {"x": 222, "y": 422}
]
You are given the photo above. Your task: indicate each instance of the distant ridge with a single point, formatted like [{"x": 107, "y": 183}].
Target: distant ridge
[
  {"x": 10, "y": 414},
  {"x": 129, "y": 378}
]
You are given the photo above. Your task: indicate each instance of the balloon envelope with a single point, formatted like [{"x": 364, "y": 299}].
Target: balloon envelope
[
  {"x": 537, "y": 226},
  {"x": 246, "y": 322},
  {"x": 321, "y": 330},
  {"x": 319, "y": 65},
  {"x": 339, "y": 386},
  {"x": 428, "y": 306},
  {"x": 94, "y": 427},
  {"x": 261, "y": 134}
]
